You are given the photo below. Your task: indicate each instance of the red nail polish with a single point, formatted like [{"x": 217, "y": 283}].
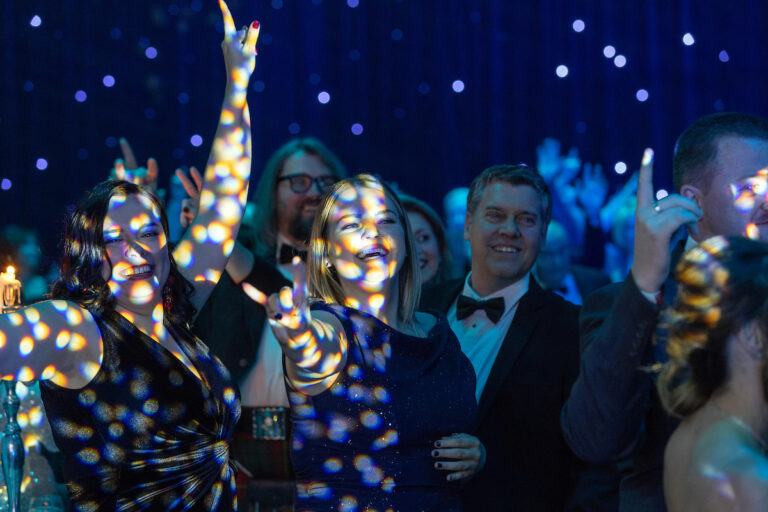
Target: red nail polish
[{"x": 255, "y": 24}]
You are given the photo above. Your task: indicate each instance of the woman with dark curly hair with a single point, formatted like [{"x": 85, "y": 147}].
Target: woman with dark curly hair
[
  {"x": 716, "y": 379},
  {"x": 138, "y": 407}
]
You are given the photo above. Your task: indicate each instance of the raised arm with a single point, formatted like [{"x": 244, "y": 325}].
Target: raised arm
[
  {"x": 53, "y": 339},
  {"x": 203, "y": 251},
  {"x": 314, "y": 343}
]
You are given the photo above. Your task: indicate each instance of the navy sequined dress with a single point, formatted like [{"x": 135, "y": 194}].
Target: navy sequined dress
[
  {"x": 146, "y": 433},
  {"x": 365, "y": 444}
]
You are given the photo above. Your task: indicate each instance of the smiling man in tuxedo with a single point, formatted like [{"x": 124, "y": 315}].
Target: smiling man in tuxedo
[{"x": 521, "y": 340}]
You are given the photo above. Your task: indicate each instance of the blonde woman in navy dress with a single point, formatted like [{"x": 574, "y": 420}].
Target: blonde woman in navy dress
[{"x": 381, "y": 395}]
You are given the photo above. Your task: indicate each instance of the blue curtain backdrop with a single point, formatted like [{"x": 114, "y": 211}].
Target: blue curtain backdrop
[{"x": 390, "y": 65}]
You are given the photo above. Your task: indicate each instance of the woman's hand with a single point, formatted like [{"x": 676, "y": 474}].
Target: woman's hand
[
  {"x": 239, "y": 49},
  {"x": 288, "y": 310},
  {"x": 465, "y": 456},
  {"x": 193, "y": 187}
]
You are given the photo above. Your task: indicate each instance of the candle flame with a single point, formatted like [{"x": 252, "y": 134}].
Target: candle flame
[{"x": 11, "y": 271}]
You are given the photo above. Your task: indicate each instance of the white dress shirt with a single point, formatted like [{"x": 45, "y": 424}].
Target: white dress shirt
[
  {"x": 479, "y": 337},
  {"x": 264, "y": 384}
]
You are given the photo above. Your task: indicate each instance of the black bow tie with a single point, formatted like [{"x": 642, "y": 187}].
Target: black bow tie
[
  {"x": 287, "y": 252},
  {"x": 493, "y": 308}
]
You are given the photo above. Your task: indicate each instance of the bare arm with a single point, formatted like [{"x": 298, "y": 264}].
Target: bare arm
[
  {"x": 53, "y": 339},
  {"x": 203, "y": 251},
  {"x": 314, "y": 343}
]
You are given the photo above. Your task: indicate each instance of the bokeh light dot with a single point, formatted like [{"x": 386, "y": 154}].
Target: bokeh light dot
[
  {"x": 354, "y": 55},
  {"x": 41, "y": 164},
  {"x": 578, "y": 25},
  {"x": 620, "y": 61},
  {"x": 609, "y": 51},
  {"x": 81, "y": 96},
  {"x": 115, "y": 33},
  {"x": 561, "y": 71},
  {"x": 424, "y": 88},
  {"x": 723, "y": 56},
  {"x": 5, "y": 184},
  {"x": 294, "y": 128},
  {"x": 258, "y": 86},
  {"x": 150, "y": 52},
  {"x": 110, "y": 142},
  {"x": 688, "y": 39},
  {"x": 357, "y": 129},
  {"x": 183, "y": 98},
  {"x": 458, "y": 86},
  {"x": 353, "y": 3},
  {"x": 277, "y": 4},
  {"x": 641, "y": 95},
  {"x": 35, "y": 21},
  {"x": 397, "y": 34},
  {"x": 82, "y": 154},
  {"x": 196, "y": 140},
  {"x": 661, "y": 194},
  {"x": 620, "y": 167},
  {"x": 323, "y": 97},
  {"x": 29, "y": 86},
  {"x": 108, "y": 80},
  {"x": 314, "y": 78}
]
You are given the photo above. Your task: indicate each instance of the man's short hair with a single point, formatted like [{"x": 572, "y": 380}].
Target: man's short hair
[
  {"x": 513, "y": 175},
  {"x": 696, "y": 148}
]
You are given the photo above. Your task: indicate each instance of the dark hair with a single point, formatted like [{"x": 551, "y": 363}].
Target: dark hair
[
  {"x": 696, "y": 147},
  {"x": 83, "y": 256},
  {"x": 513, "y": 175},
  {"x": 723, "y": 285},
  {"x": 446, "y": 270},
  {"x": 264, "y": 226}
]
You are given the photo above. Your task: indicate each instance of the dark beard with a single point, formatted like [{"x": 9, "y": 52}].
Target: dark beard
[{"x": 300, "y": 227}]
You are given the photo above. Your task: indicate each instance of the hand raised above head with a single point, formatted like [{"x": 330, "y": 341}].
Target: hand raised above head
[
  {"x": 239, "y": 48},
  {"x": 655, "y": 223},
  {"x": 193, "y": 187},
  {"x": 128, "y": 169}
]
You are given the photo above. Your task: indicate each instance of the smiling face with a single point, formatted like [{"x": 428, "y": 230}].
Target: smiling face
[
  {"x": 505, "y": 231},
  {"x": 366, "y": 238},
  {"x": 426, "y": 242},
  {"x": 137, "y": 249},
  {"x": 296, "y": 210},
  {"x": 735, "y": 201}
]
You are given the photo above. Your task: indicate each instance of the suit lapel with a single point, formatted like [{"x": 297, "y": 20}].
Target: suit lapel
[{"x": 518, "y": 335}]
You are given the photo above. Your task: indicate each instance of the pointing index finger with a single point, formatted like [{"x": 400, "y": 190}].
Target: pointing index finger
[
  {"x": 229, "y": 23},
  {"x": 645, "y": 180}
]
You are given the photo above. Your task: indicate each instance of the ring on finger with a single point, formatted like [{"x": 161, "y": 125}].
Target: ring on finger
[{"x": 656, "y": 207}]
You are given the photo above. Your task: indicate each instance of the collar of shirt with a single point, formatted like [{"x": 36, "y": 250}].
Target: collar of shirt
[{"x": 511, "y": 294}]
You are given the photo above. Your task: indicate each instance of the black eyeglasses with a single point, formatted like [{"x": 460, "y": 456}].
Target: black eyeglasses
[{"x": 302, "y": 182}]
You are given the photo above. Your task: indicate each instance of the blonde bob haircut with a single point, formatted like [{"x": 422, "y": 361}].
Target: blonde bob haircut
[{"x": 323, "y": 280}]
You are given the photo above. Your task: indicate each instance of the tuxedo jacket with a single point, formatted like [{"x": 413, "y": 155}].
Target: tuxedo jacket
[
  {"x": 231, "y": 324},
  {"x": 614, "y": 411},
  {"x": 529, "y": 467}
]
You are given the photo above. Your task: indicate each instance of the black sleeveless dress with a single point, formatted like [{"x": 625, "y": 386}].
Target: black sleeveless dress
[
  {"x": 146, "y": 433},
  {"x": 365, "y": 444}
]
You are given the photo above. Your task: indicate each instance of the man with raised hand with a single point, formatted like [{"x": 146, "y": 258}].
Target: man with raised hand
[{"x": 614, "y": 412}]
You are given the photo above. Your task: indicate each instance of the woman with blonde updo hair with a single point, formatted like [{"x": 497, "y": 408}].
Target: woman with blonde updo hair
[{"x": 716, "y": 379}]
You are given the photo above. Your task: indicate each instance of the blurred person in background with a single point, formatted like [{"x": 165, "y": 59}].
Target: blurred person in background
[
  {"x": 555, "y": 271},
  {"x": 435, "y": 258}
]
